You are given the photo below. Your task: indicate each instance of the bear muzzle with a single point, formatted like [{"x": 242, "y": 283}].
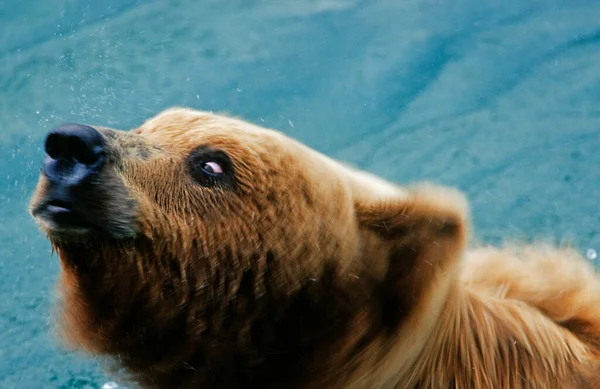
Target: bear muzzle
[{"x": 79, "y": 189}]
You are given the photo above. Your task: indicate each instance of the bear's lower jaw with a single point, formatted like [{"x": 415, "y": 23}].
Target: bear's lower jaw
[
  {"x": 62, "y": 226},
  {"x": 58, "y": 223},
  {"x": 59, "y": 220}
]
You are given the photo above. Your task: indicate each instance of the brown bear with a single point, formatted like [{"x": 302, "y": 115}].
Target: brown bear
[{"x": 201, "y": 251}]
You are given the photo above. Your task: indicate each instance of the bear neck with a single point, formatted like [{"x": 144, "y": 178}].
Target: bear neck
[{"x": 311, "y": 335}]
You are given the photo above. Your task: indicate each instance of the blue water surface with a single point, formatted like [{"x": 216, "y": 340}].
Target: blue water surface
[{"x": 498, "y": 97}]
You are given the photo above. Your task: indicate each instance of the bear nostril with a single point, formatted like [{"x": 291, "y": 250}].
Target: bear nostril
[
  {"x": 73, "y": 152},
  {"x": 52, "y": 146}
]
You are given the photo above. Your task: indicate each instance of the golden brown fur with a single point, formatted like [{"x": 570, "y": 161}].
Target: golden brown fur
[{"x": 308, "y": 274}]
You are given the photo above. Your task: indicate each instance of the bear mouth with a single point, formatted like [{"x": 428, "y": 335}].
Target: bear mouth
[
  {"x": 102, "y": 210},
  {"x": 60, "y": 216}
]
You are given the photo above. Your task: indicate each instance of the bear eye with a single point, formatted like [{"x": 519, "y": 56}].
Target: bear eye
[{"x": 210, "y": 167}]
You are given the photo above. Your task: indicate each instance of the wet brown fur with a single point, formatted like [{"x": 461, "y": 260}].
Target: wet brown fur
[{"x": 308, "y": 274}]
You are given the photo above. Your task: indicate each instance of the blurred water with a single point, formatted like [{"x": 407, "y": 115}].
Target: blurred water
[{"x": 499, "y": 97}]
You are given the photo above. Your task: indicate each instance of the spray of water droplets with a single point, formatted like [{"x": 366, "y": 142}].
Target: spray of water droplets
[{"x": 111, "y": 385}]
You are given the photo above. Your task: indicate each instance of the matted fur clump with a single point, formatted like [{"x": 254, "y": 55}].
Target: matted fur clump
[{"x": 201, "y": 251}]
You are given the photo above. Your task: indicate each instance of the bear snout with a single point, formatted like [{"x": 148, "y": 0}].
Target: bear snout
[{"x": 79, "y": 189}]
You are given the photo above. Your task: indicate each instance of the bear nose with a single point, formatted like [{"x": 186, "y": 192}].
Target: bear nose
[{"x": 74, "y": 152}]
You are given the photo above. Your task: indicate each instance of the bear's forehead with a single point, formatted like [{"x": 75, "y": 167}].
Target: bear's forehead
[
  {"x": 183, "y": 130},
  {"x": 180, "y": 131}
]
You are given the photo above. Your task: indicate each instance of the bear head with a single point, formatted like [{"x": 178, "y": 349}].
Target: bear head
[{"x": 200, "y": 250}]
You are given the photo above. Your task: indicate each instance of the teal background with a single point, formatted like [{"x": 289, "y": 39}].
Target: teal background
[{"x": 498, "y": 97}]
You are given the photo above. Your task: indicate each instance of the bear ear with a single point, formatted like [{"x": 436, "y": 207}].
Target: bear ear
[
  {"x": 414, "y": 241},
  {"x": 426, "y": 216}
]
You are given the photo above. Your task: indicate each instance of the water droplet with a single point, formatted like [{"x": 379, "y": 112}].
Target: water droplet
[
  {"x": 591, "y": 254},
  {"x": 109, "y": 385}
]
